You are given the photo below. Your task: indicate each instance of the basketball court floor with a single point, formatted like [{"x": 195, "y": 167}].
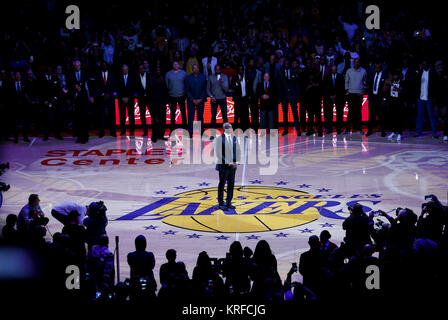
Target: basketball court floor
[{"x": 167, "y": 192}]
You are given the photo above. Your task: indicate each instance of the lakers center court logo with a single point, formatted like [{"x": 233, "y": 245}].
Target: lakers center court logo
[{"x": 258, "y": 208}]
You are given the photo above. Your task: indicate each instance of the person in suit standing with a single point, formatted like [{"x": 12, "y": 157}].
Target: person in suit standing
[
  {"x": 158, "y": 102},
  {"x": 334, "y": 96},
  {"x": 240, "y": 87},
  {"x": 49, "y": 94},
  {"x": 377, "y": 105},
  {"x": 266, "y": 94},
  {"x": 81, "y": 114},
  {"x": 289, "y": 91},
  {"x": 196, "y": 92},
  {"x": 142, "y": 88},
  {"x": 20, "y": 101},
  {"x": 125, "y": 93},
  {"x": 254, "y": 77},
  {"x": 313, "y": 101},
  {"x": 425, "y": 83},
  {"x": 228, "y": 154},
  {"x": 217, "y": 87},
  {"x": 105, "y": 81},
  {"x": 408, "y": 94},
  {"x": 77, "y": 75}
]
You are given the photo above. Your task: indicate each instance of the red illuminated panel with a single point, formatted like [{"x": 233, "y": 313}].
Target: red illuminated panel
[{"x": 230, "y": 113}]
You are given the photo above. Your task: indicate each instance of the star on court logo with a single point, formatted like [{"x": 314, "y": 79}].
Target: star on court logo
[{"x": 258, "y": 208}]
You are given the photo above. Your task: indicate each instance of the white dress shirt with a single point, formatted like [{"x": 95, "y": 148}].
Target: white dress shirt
[{"x": 424, "y": 85}]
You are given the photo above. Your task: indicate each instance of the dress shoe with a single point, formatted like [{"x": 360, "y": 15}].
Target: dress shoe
[
  {"x": 229, "y": 206},
  {"x": 383, "y": 134},
  {"x": 113, "y": 134},
  {"x": 222, "y": 207},
  {"x": 101, "y": 135},
  {"x": 309, "y": 133},
  {"x": 59, "y": 137},
  {"x": 45, "y": 138},
  {"x": 285, "y": 132},
  {"x": 26, "y": 139},
  {"x": 122, "y": 133}
]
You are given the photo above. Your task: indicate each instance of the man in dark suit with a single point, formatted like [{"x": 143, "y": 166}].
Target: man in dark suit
[
  {"x": 105, "y": 82},
  {"x": 313, "y": 103},
  {"x": 49, "y": 94},
  {"x": 125, "y": 93},
  {"x": 158, "y": 102},
  {"x": 289, "y": 91},
  {"x": 425, "y": 92},
  {"x": 142, "y": 87},
  {"x": 266, "y": 94},
  {"x": 377, "y": 106},
  {"x": 228, "y": 154},
  {"x": 77, "y": 75},
  {"x": 408, "y": 94},
  {"x": 334, "y": 96},
  {"x": 196, "y": 91},
  {"x": 21, "y": 102},
  {"x": 241, "y": 86},
  {"x": 80, "y": 113}
]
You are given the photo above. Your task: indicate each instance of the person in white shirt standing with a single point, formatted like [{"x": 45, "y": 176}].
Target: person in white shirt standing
[{"x": 425, "y": 80}]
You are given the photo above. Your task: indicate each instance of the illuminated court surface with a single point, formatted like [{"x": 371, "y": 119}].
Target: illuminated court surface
[{"x": 149, "y": 190}]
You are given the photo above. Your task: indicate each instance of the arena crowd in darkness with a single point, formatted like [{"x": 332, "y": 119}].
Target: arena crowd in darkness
[{"x": 409, "y": 250}]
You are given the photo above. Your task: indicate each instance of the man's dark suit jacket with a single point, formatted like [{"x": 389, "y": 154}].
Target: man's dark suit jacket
[
  {"x": 222, "y": 149},
  {"x": 270, "y": 103},
  {"x": 127, "y": 90}
]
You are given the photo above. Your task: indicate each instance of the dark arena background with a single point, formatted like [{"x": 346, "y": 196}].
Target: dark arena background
[{"x": 223, "y": 159}]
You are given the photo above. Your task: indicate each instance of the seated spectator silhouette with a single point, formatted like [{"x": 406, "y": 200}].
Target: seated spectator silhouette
[
  {"x": 311, "y": 264},
  {"x": 142, "y": 263},
  {"x": 100, "y": 265},
  {"x": 9, "y": 232},
  {"x": 267, "y": 284},
  {"x": 95, "y": 222},
  {"x": 357, "y": 228},
  {"x": 77, "y": 239},
  {"x": 173, "y": 278},
  {"x": 236, "y": 270},
  {"x": 206, "y": 280},
  {"x": 31, "y": 215}
]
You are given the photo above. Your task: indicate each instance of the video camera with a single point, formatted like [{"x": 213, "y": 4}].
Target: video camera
[{"x": 3, "y": 186}]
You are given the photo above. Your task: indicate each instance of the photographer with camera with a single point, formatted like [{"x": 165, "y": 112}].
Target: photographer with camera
[
  {"x": 357, "y": 228},
  {"x": 402, "y": 230},
  {"x": 95, "y": 222},
  {"x": 3, "y": 186},
  {"x": 236, "y": 271},
  {"x": 432, "y": 220},
  {"x": 141, "y": 263},
  {"x": 31, "y": 215}
]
